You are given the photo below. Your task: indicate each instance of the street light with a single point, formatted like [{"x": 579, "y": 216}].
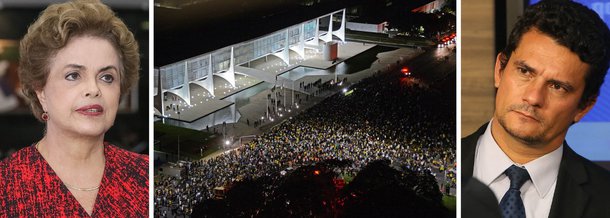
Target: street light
[
  {"x": 267, "y": 109},
  {"x": 293, "y": 92}
]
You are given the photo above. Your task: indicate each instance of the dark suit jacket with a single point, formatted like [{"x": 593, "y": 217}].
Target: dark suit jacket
[
  {"x": 478, "y": 201},
  {"x": 583, "y": 187}
]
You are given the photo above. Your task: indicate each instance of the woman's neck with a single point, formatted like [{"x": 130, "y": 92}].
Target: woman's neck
[
  {"x": 78, "y": 161},
  {"x": 61, "y": 148}
]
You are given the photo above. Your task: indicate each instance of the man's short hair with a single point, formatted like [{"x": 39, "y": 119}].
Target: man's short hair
[{"x": 574, "y": 26}]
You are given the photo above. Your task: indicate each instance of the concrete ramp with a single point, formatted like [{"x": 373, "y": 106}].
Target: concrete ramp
[
  {"x": 259, "y": 74},
  {"x": 262, "y": 75}
]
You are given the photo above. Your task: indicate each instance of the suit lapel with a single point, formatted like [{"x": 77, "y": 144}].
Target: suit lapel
[
  {"x": 469, "y": 145},
  {"x": 569, "y": 199}
]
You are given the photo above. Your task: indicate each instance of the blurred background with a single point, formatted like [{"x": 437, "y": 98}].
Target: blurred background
[
  {"x": 485, "y": 29},
  {"x": 18, "y": 127}
]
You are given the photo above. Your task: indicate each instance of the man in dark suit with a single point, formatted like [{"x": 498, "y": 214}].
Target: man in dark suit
[{"x": 547, "y": 78}]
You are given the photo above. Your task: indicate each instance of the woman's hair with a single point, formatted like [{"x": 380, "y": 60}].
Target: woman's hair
[{"x": 54, "y": 28}]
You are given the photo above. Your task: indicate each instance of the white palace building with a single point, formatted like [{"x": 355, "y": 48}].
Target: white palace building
[{"x": 196, "y": 92}]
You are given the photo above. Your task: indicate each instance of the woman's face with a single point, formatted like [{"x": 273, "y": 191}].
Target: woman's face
[{"x": 82, "y": 91}]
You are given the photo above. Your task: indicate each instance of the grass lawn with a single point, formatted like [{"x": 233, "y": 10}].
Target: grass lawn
[
  {"x": 449, "y": 203},
  {"x": 191, "y": 141}
]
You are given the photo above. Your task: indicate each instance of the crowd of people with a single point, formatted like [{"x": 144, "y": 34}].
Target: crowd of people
[{"x": 383, "y": 118}]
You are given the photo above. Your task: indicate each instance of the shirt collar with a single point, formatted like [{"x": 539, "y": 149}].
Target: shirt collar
[
  {"x": 493, "y": 161},
  {"x": 544, "y": 170},
  {"x": 490, "y": 160}
]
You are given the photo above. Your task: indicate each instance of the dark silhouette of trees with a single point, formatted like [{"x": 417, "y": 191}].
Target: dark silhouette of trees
[
  {"x": 382, "y": 191},
  {"x": 379, "y": 190}
]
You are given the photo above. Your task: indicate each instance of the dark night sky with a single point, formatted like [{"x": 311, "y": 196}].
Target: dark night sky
[
  {"x": 181, "y": 34},
  {"x": 197, "y": 29}
]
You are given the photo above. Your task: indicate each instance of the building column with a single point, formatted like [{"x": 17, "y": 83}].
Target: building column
[
  {"x": 210, "y": 79},
  {"x": 285, "y": 53},
  {"x": 182, "y": 92},
  {"x": 207, "y": 83},
  {"x": 300, "y": 48},
  {"x": 316, "y": 36},
  {"x": 229, "y": 75},
  {"x": 159, "y": 90},
  {"x": 329, "y": 35},
  {"x": 233, "y": 114},
  {"x": 341, "y": 31},
  {"x": 185, "y": 91}
]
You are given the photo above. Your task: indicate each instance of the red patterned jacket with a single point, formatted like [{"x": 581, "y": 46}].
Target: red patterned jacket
[{"x": 30, "y": 188}]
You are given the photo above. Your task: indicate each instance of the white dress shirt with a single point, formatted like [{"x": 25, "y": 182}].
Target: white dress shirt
[{"x": 490, "y": 162}]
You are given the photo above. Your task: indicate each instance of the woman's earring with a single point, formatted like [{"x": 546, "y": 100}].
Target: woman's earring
[{"x": 45, "y": 116}]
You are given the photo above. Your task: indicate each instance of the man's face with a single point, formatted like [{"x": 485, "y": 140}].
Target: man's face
[{"x": 539, "y": 91}]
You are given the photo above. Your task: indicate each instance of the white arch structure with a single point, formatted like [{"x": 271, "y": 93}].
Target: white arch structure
[{"x": 176, "y": 78}]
